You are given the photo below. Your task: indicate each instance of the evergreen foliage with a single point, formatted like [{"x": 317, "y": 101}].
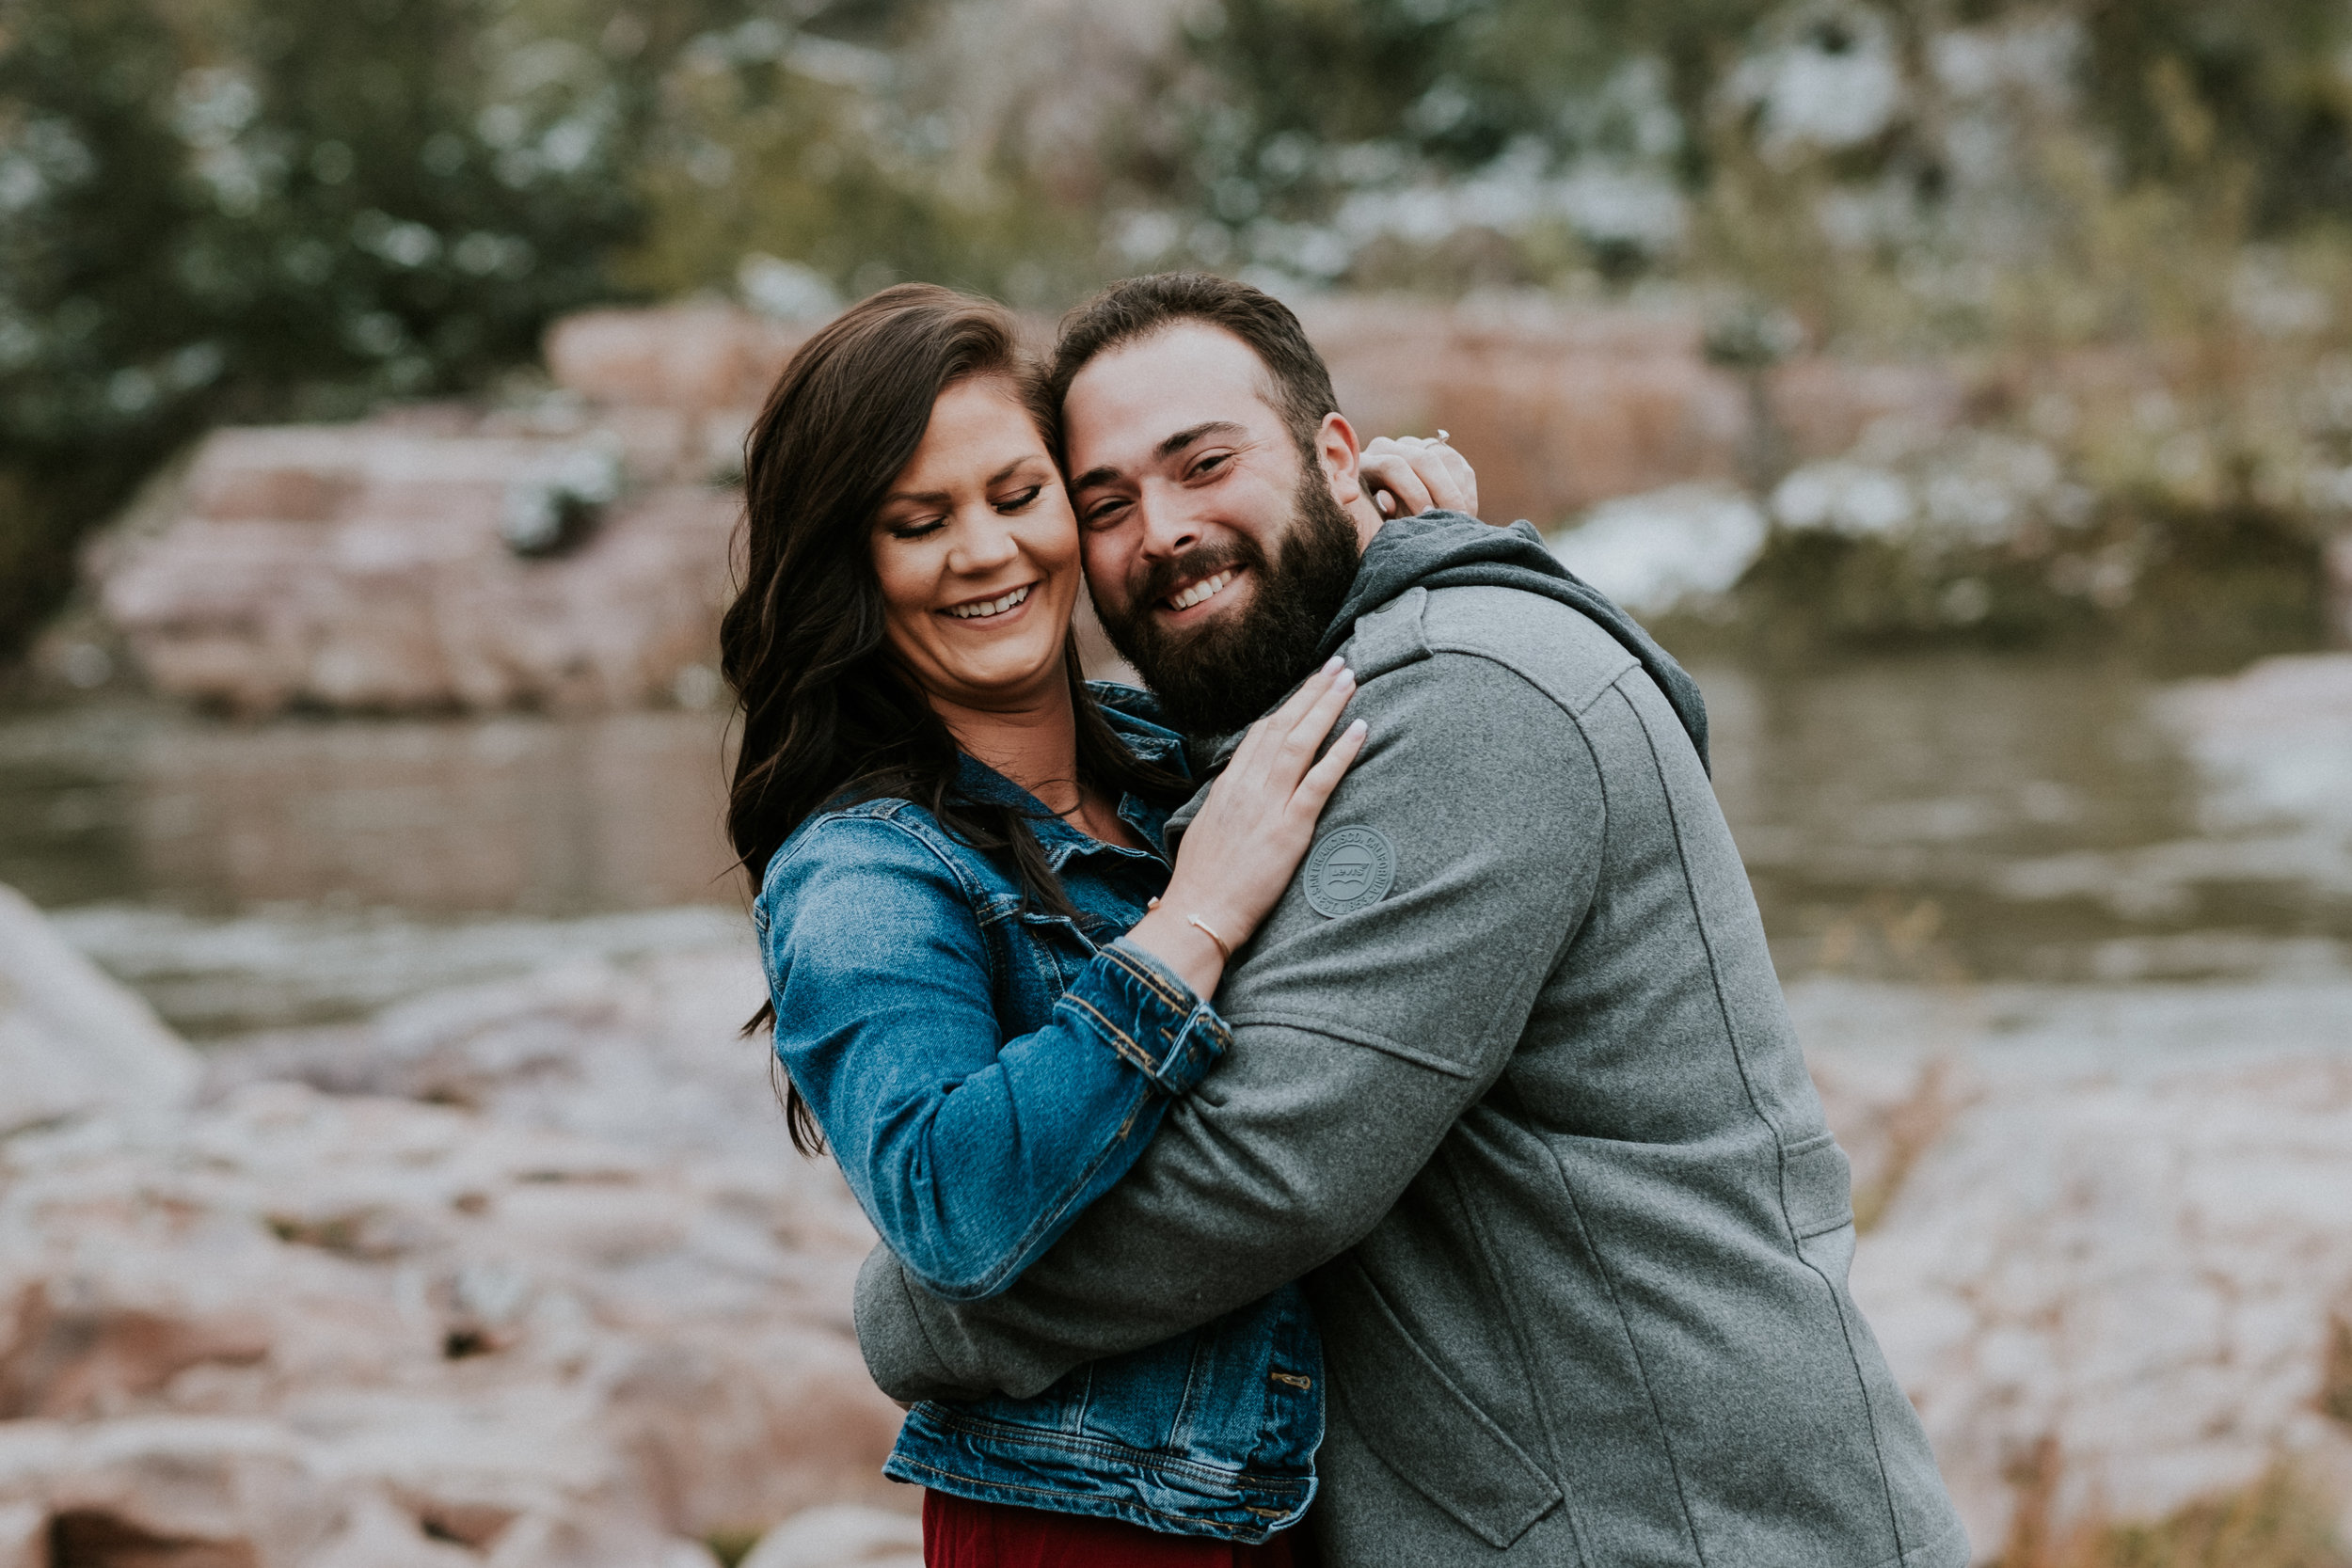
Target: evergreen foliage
[{"x": 222, "y": 210}]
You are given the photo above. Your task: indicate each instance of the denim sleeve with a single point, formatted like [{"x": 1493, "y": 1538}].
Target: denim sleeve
[{"x": 971, "y": 1152}]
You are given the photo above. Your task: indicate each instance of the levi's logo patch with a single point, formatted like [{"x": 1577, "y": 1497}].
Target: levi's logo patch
[{"x": 1348, "y": 869}]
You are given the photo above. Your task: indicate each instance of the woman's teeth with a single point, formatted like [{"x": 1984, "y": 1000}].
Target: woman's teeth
[
  {"x": 988, "y": 606},
  {"x": 1207, "y": 588}
]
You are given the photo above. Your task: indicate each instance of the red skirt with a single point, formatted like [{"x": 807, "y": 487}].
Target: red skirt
[{"x": 959, "y": 1533}]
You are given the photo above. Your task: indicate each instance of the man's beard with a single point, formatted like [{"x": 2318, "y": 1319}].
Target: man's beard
[{"x": 1219, "y": 678}]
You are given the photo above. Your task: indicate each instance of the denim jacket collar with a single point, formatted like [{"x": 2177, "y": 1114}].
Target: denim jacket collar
[{"x": 977, "y": 781}]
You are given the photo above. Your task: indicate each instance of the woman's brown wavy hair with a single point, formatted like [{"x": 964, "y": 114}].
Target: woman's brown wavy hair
[{"x": 827, "y": 716}]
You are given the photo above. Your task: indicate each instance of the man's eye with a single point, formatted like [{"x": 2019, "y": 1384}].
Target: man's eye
[
  {"x": 1021, "y": 501},
  {"x": 1106, "y": 514},
  {"x": 1210, "y": 464}
]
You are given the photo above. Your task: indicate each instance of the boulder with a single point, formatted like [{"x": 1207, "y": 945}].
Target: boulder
[
  {"x": 376, "y": 566},
  {"x": 73, "y": 1044},
  {"x": 841, "y": 1537},
  {"x": 1562, "y": 406},
  {"x": 2111, "y": 1256},
  {"x": 524, "y": 1274},
  {"x": 454, "y": 557},
  {"x": 696, "y": 357}
]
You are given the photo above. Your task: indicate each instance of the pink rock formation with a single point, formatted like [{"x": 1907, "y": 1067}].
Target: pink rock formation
[
  {"x": 2113, "y": 1262},
  {"x": 540, "y": 1286},
  {"x": 1561, "y": 407},
  {"x": 698, "y": 358},
  {"x": 362, "y": 566},
  {"x": 369, "y": 566}
]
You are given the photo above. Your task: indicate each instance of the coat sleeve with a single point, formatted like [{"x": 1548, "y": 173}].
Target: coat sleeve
[
  {"x": 1359, "y": 1038},
  {"x": 971, "y": 1152}
]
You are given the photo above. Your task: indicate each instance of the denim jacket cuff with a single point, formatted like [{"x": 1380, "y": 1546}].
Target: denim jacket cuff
[{"x": 1142, "y": 1010}]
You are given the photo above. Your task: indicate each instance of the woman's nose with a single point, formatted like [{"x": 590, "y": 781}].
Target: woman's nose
[{"x": 984, "y": 546}]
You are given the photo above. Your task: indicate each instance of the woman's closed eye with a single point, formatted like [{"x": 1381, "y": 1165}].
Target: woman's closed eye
[
  {"x": 919, "y": 529},
  {"x": 1019, "y": 500}
]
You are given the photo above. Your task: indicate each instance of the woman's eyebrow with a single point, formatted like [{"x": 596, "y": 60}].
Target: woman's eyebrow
[{"x": 941, "y": 498}]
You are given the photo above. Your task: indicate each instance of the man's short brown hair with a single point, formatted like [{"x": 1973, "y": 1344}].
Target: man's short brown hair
[{"x": 1139, "y": 307}]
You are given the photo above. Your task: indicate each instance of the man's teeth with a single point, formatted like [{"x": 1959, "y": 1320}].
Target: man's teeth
[
  {"x": 988, "y": 606},
  {"x": 1207, "y": 588}
]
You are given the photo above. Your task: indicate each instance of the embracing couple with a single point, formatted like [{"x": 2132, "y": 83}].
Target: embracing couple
[{"x": 1350, "y": 1073}]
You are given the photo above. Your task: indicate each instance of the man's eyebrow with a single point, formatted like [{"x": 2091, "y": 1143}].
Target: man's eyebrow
[
  {"x": 1169, "y": 448},
  {"x": 941, "y": 498},
  {"x": 1184, "y": 439}
]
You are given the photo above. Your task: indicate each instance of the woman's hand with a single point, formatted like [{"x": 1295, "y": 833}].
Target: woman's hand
[
  {"x": 1411, "y": 474},
  {"x": 1239, "y": 853}
]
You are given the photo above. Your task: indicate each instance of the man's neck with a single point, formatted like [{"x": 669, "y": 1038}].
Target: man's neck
[{"x": 1034, "y": 743}]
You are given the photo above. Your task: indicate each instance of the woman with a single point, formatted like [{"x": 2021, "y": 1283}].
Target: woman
[{"x": 987, "y": 981}]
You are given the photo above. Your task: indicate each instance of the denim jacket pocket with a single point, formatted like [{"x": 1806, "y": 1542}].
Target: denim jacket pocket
[{"x": 1058, "y": 947}]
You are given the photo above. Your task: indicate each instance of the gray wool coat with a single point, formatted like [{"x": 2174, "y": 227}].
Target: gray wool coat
[{"x": 1533, "y": 1126}]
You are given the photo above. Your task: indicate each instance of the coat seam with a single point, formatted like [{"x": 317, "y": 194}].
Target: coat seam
[
  {"x": 1740, "y": 1057},
  {"x": 1514, "y": 1322},
  {"x": 1633, "y": 1347}
]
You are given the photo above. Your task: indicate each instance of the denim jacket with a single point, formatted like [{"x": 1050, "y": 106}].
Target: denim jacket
[{"x": 984, "y": 1071}]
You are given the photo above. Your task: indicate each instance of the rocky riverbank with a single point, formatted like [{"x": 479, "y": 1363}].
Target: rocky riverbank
[
  {"x": 2110, "y": 1244},
  {"x": 523, "y": 1272}
]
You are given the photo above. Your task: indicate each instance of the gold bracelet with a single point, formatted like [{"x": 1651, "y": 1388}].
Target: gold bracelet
[{"x": 1224, "y": 949}]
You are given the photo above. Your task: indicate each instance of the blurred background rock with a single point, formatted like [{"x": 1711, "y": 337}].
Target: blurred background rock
[
  {"x": 2116, "y": 229},
  {"x": 1963, "y": 388}
]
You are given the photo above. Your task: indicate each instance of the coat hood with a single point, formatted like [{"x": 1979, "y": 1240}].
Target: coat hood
[{"x": 1450, "y": 549}]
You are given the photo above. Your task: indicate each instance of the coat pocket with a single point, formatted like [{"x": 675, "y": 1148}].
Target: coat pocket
[
  {"x": 1815, "y": 1185},
  {"x": 1411, "y": 1413}
]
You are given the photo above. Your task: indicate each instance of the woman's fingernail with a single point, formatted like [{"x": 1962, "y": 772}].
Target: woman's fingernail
[
  {"x": 1358, "y": 727},
  {"x": 1334, "y": 662}
]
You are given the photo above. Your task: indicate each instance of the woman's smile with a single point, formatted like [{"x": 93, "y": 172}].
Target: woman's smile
[{"x": 992, "y": 610}]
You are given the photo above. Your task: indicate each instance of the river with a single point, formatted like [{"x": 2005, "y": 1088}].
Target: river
[{"x": 1941, "y": 820}]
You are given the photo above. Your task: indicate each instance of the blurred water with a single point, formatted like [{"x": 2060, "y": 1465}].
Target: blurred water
[
  {"x": 310, "y": 870},
  {"x": 1946, "y": 820},
  {"x": 1960, "y": 818}
]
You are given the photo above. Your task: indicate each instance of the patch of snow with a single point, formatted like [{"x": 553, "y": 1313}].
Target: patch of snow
[{"x": 1653, "y": 552}]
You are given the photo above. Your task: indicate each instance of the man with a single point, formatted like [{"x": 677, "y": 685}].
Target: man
[{"x": 1513, "y": 1086}]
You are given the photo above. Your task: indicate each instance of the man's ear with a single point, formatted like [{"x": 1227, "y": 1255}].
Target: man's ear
[{"x": 1339, "y": 452}]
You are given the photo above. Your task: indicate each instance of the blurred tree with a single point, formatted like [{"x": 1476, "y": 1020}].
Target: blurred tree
[
  {"x": 258, "y": 208},
  {"x": 842, "y": 160},
  {"x": 2261, "y": 82}
]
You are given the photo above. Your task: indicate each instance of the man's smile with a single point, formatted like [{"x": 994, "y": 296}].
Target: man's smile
[{"x": 1200, "y": 591}]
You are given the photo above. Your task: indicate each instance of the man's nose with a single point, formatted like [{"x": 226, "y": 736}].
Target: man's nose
[{"x": 1169, "y": 526}]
